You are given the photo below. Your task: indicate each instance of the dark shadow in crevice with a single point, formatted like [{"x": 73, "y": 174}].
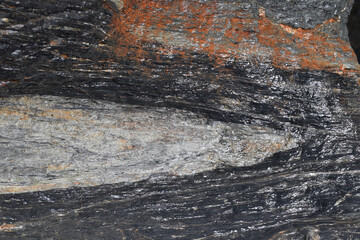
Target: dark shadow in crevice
[{"x": 353, "y": 26}]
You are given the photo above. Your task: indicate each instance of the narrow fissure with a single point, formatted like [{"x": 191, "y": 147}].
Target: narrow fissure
[{"x": 353, "y": 26}]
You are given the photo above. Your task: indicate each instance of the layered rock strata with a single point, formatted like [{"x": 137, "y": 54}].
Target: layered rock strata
[{"x": 179, "y": 119}]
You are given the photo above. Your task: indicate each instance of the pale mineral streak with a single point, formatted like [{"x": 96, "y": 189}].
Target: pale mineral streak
[{"x": 55, "y": 142}]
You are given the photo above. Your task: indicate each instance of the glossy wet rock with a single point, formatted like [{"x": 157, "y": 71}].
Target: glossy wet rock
[{"x": 178, "y": 120}]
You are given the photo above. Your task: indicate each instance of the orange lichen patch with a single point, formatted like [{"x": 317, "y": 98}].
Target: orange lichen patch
[
  {"x": 183, "y": 26},
  {"x": 6, "y": 227},
  {"x": 130, "y": 19},
  {"x": 147, "y": 20},
  {"x": 312, "y": 49}
]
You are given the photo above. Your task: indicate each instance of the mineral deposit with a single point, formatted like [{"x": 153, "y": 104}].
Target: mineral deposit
[{"x": 179, "y": 119}]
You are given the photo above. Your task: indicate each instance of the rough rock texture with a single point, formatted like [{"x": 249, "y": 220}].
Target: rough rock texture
[
  {"x": 262, "y": 202},
  {"x": 179, "y": 119},
  {"x": 51, "y": 142},
  {"x": 307, "y": 13}
]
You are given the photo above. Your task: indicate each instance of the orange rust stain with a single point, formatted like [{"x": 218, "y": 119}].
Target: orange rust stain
[
  {"x": 314, "y": 49},
  {"x": 124, "y": 145},
  {"x": 64, "y": 56},
  {"x": 25, "y": 114},
  {"x": 36, "y": 187},
  {"x": 6, "y": 227},
  {"x": 140, "y": 22},
  {"x": 62, "y": 114},
  {"x": 141, "y": 19},
  {"x": 133, "y": 14},
  {"x": 6, "y": 111}
]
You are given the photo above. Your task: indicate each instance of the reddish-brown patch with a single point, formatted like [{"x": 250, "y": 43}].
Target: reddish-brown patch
[
  {"x": 64, "y": 56},
  {"x": 314, "y": 49},
  {"x": 141, "y": 22}
]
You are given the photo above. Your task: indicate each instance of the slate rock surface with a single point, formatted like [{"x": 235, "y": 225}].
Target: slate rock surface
[{"x": 179, "y": 119}]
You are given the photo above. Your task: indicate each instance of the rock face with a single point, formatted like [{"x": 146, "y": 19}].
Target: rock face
[
  {"x": 179, "y": 119},
  {"x": 51, "y": 142}
]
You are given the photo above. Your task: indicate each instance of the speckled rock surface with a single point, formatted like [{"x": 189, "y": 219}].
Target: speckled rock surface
[
  {"x": 179, "y": 119},
  {"x": 50, "y": 142},
  {"x": 307, "y": 13}
]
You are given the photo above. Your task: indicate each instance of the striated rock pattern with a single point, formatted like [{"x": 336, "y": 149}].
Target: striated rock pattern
[
  {"x": 66, "y": 142},
  {"x": 179, "y": 119}
]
